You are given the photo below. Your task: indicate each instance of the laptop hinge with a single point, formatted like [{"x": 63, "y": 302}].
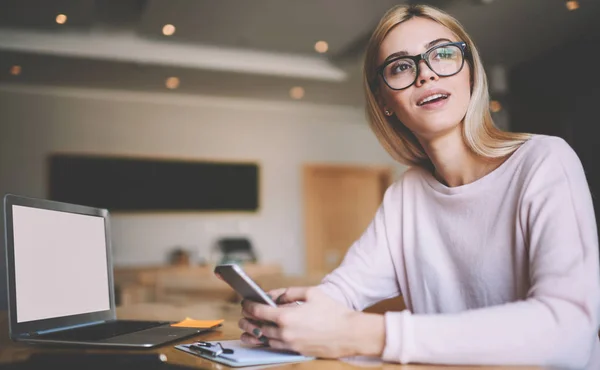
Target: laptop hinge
[{"x": 41, "y": 332}]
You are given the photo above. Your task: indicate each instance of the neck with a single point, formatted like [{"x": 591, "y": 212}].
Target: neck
[{"x": 455, "y": 164}]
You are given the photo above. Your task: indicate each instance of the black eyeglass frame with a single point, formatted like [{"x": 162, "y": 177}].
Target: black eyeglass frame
[{"x": 424, "y": 56}]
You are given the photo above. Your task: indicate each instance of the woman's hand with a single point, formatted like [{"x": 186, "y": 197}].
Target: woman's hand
[{"x": 318, "y": 327}]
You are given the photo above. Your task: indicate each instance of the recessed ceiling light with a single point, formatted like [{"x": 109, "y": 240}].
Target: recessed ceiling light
[
  {"x": 168, "y": 29},
  {"x": 297, "y": 92},
  {"x": 572, "y": 4},
  {"x": 172, "y": 83},
  {"x": 495, "y": 106},
  {"x": 61, "y": 19},
  {"x": 15, "y": 70},
  {"x": 321, "y": 47}
]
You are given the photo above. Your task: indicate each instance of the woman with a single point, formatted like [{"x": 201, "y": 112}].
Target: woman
[{"x": 490, "y": 237}]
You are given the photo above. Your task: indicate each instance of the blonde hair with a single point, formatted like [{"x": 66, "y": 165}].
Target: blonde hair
[{"x": 478, "y": 130}]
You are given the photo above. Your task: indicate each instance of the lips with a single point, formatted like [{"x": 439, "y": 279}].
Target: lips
[{"x": 432, "y": 96}]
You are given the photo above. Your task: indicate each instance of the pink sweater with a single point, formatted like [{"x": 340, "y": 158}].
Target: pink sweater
[{"x": 504, "y": 270}]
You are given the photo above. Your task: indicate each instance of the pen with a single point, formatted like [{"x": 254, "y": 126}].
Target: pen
[
  {"x": 213, "y": 349},
  {"x": 206, "y": 348}
]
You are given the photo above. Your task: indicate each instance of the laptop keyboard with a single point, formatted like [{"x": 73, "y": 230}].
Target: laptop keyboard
[{"x": 103, "y": 331}]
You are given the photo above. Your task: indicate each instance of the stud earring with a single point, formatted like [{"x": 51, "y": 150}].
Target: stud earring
[{"x": 388, "y": 112}]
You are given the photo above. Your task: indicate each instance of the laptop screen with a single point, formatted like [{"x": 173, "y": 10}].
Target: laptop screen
[{"x": 61, "y": 266}]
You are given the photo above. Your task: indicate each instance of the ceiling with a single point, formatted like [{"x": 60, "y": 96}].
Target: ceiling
[{"x": 249, "y": 48}]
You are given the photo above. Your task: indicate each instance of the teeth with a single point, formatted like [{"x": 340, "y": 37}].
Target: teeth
[{"x": 432, "y": 97}]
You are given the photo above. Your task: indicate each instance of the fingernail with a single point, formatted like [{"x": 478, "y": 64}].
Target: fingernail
[
  {"x": 263, "y": 339},
  {"x": 256, "y": 332}
]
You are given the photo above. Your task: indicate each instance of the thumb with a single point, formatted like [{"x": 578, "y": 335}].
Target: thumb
[
  {"x": 294, "y": 294},
  {"x": 276, "y": 293}
]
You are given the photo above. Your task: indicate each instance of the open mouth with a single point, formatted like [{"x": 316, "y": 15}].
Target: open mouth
[{"x": 432, "y": 99}]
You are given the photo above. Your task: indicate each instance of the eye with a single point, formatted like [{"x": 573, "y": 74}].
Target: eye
[
  {"x": 400, "y": 66},
  {"x": 445, "y": 53}
]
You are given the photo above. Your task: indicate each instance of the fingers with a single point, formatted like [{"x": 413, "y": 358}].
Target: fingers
[
  {"x": 292, "y": 304},
  {"x": 273, "y": 343},
  {"x": 249, "y": 339},
  {"x": 255, "y": 331},
  {"x": 249, "y": 316},
  {"x": 261, "y": 312},
  {"x": 271, "y": 331},
  {"x": 250, "y": 327},
  {"x": 259, "y": 329},
  {"x": 278, "y": 344}
]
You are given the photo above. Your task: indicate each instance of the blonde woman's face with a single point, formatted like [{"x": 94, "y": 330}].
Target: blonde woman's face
[{"x": 433, "y": 105}]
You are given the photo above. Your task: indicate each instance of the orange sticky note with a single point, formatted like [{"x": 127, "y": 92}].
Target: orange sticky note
[{"x": 202, "y": 324}]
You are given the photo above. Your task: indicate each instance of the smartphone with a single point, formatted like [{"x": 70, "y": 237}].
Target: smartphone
[{"x": 240, "y": 282}]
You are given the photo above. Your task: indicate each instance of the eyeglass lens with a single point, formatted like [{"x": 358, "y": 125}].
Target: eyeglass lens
[{"x": 444, "y": 60}]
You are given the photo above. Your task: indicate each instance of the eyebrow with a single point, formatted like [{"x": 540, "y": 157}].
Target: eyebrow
[{"x": 404, "y": 53}]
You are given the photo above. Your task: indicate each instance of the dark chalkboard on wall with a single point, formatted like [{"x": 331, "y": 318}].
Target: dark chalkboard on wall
[{"x": 147, "y": 184}]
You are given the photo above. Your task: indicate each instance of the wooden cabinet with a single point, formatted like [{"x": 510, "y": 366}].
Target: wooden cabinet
[{"x": 180, "y": 284}]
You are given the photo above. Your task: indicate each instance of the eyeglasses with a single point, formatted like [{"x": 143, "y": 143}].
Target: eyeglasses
[
  {"x": 214, "y": 349},
  {"x": 444, "y": 60}
]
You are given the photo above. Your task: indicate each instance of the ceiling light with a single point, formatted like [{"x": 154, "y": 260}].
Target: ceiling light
[
  {"x": 321, "y": 46},
  {"x": 297, "y": 92},
  {"x": 172, "y": 83},
  {"x": 495, "y": 106},
  {"x": 61, "y": 19},
  {"x": 572, "y": 4},
  {"x": 168, "y": 29},
  {"x": 15, "y": 70}
]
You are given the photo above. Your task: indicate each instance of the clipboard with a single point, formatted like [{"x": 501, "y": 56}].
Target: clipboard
[{"x": 246, "y": 355}]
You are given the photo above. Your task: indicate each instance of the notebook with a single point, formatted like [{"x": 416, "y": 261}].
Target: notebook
[
  {"x": 246, "y": 355},
  {"x": 60, "y": 279}
]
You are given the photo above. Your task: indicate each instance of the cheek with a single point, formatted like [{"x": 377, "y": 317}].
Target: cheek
[
  {"x": 406, "y": 112},
  {"x": 400, "y": 103},
  {"x": 464, "y": 78},
  {"x": 463, "y": 91}
]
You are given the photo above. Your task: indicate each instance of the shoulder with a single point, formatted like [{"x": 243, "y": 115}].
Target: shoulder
[
  {"x": 542, "y": 145},
  {"x": 550, "y": 160},
  {"x": 413, "y": 176},
  {"x": 548, "y": 151}
]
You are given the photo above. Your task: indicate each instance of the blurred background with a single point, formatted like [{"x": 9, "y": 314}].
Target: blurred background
[{"x": 234, "y": 130}]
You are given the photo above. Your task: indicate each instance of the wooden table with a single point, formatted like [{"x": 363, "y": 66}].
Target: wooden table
[{"x": 11, "y": 352}]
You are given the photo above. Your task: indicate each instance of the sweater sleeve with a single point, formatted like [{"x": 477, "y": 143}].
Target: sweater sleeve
[
  {"x": 557, "y": 324},
  {"x": 366, "y": 275}
]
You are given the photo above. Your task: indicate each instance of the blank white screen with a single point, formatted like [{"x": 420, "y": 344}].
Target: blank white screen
[{"x": 60, "y": 264}]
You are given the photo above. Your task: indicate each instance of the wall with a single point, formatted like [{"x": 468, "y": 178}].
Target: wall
[
  {"x": 557, "y": 94},
  {"x": 281, "y": 137}
]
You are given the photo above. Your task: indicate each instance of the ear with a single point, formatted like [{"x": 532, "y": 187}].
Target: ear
[{"x": 382, "y": 104}]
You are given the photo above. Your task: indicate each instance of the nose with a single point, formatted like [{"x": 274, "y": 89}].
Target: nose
[{"x": 425, "y": 74}]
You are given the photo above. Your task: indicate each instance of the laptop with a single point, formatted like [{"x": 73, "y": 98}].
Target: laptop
[{"x": 60, "y": 279}]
